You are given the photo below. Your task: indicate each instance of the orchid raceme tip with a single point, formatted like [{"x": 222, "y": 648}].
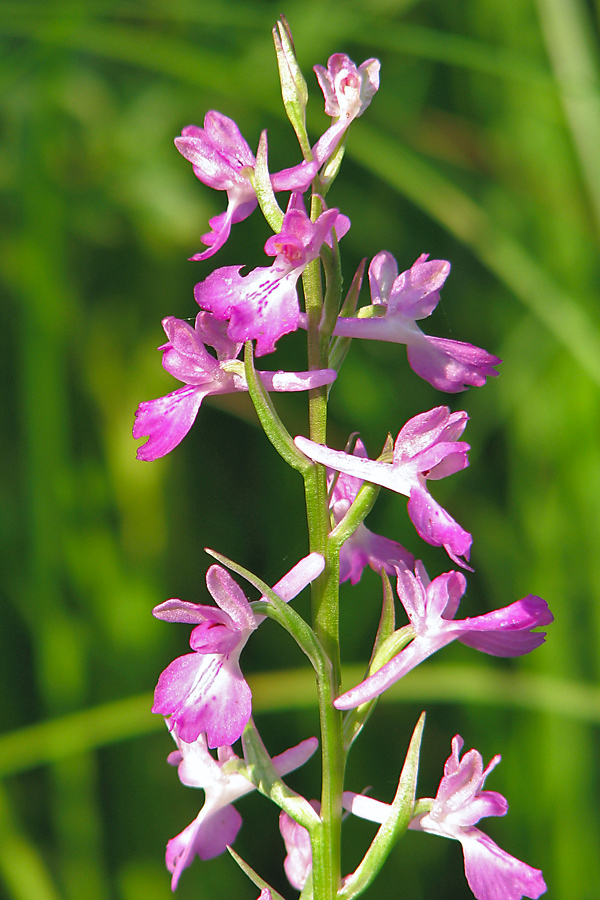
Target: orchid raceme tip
[
  {"x": 203, "y": 694},
  {"x": 431, "y": 607},
  {"x": 427, "y": 447}
]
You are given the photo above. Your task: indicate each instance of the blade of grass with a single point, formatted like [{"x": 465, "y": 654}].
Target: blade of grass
[
  {"x": 22, "y": 868},
  {"x": 568, "y": 31}
]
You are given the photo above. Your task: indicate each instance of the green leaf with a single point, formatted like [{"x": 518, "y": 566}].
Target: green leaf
[
  {"x": 263, "y": 774},
  {"x": 254, "y": 877}
]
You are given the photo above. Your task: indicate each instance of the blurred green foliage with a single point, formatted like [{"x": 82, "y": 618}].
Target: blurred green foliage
[{"x": 483, "y": 147}]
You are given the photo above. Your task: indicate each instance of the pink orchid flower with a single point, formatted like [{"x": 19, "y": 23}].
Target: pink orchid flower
[
  {"x": 218, "y": 822},
  {"x": 205, "y": 691},
  {"x": 398, "y": 302},
  {"x": 427, "y": 447},
  {"x": 166, "y": 421},
  {"x": 223, "y": 160},
  {"x": 348, "y": 90},
  {"x": 263, "y": 305},
  {"x": 431, "y": 607},
  {"x": 459, "y": 804}
]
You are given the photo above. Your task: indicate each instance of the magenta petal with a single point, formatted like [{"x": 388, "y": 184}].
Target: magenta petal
[
  {"x": 217, "y": 832},
  {"x": 230, "y": 597},
  {"x": 298, "y": 178},
  {"x": 167, "y": 420},
  {"x": 237, "y": 210},
  {"x": 204, "y": 692},
  {"x": 383, "y": 271},
  {"x": 493, "y": 874},
  {"x": 415, "y": 293},
  {"x": 507, "y": 632},
  {"x": 437, "y": 527},
  {"x": 364, "y": 548},
  {"x": 206, "y": 837},
  {"x": 187, "y": 613},
  {"x": 295, "y": 756},
  {"x": 451, "y": 366}
]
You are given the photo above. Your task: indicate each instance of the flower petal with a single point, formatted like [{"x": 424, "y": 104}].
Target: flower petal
[{"x": 166, "y": 421}]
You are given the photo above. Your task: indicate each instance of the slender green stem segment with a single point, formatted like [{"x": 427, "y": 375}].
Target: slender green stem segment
[{"x": 326, "y": 841}]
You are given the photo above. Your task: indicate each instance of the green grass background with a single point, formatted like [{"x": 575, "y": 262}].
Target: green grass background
[{"x": 482, "y": 147}]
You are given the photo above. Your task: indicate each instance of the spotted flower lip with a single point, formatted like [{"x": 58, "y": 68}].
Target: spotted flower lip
[
  {"x": 431, "y": 607},
  {"x": 218, "y": 822},
  {"x": 222, "y": 159},
  {"x": 205, "y": 691},
  {"x": 448, "y": 365},
  {"x": 167, "y": 420},
  {"x": 427, "y": 447},
  {"x": 263, "y": 305}
]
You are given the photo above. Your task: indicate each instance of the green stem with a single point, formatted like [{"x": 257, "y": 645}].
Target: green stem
[{"x": 326, "y": 842}]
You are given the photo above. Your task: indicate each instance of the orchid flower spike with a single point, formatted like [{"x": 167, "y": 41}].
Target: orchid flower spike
[
  {"x": 263, "y": 305},
  {"x": 362, "y": 548},
  {"x": 427, "y": 447},
  {"x": 205, "y": 691},
  {"x": 223, "y": 160},
  {"x": 218, "y": 822},
  {"x": 166, "y": 421},
  {"x": 398, "y": 302},
  {"x": 431, "y": 607}
]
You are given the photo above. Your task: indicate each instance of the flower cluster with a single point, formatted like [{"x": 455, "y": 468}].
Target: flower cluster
[{"x": 204, "y": 696}]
